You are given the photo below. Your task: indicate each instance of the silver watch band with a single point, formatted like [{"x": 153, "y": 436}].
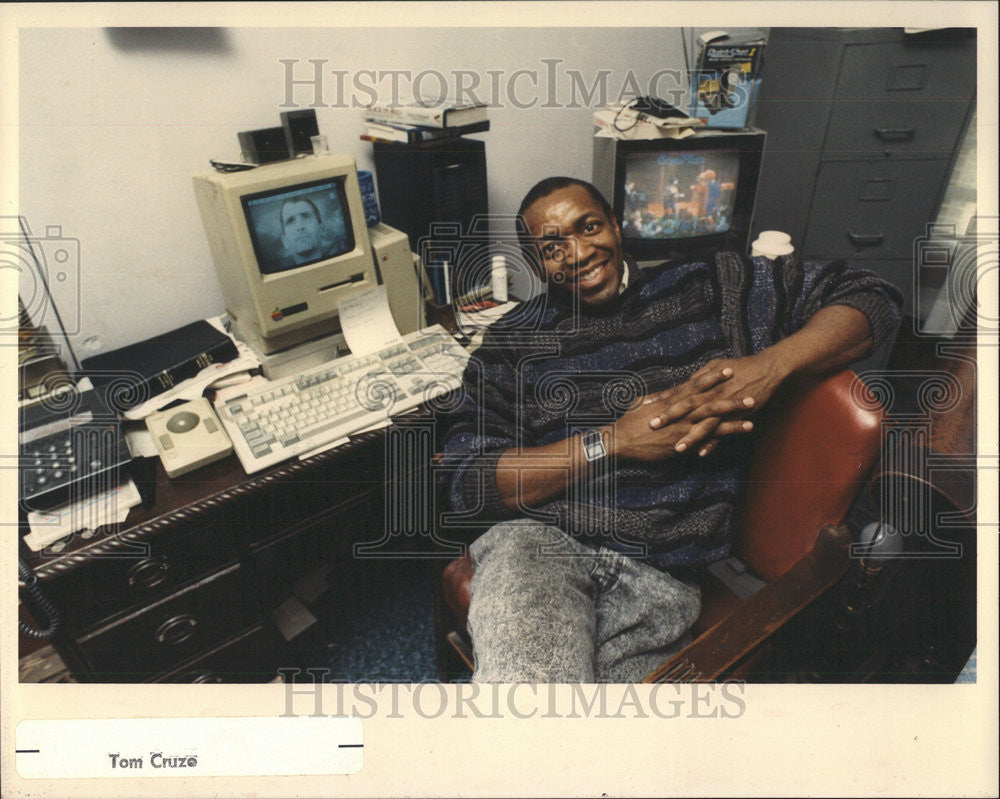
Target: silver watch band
[{"x": 593, "y": 445}]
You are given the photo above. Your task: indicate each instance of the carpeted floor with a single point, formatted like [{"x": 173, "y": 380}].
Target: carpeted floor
[{"x": 377, "y": 623}]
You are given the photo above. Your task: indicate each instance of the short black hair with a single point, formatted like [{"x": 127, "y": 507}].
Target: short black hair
[
  {"x": 543, "y": 189},
  {"x": 546, "y": 187}
]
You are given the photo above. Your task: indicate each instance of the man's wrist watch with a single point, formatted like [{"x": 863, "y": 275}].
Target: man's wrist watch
[{"x": 593, "y": 445}]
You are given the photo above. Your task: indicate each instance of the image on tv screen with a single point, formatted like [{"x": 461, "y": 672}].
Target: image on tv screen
[
  {"x": 677, "y": 195},
  {"x": 298, "y": 226}
]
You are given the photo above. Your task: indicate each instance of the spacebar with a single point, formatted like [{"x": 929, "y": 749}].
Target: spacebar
[{"x": 309, "y": 436}]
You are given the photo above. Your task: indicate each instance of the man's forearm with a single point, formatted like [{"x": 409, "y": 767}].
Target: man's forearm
[
  {"x": 833, "y": 337},
  {"x": 530, "y": 476}
]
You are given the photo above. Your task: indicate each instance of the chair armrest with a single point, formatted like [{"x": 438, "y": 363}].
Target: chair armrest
[
  {"x": 707, "y": 657},
  {"x": 455, "y": 583}
]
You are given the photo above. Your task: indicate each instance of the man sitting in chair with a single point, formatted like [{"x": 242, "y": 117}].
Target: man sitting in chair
[{"x": 606, "y": 443}]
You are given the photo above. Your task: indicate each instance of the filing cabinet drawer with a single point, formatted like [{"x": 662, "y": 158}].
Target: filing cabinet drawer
[
  {"x": 901, "y": 99},
  {"x": 866, "y": 210},
  {"x": 107, "y": 583},
  {"x": 162, "y": 636}
]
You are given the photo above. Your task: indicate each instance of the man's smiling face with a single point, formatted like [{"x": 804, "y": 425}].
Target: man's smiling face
[{"x": 580, "y": 247}]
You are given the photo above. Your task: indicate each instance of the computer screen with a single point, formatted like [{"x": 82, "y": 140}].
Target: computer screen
[
  {"x": 298, "y": 226},
  {"x": 678, "y": 195},
  {"x": 289, "y": 242}
]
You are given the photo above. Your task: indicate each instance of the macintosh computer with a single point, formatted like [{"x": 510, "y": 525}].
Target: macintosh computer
[{"x": 289, "y": 242}]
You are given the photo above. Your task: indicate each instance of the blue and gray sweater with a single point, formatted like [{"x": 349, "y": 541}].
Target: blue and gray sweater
[{"x": 552, "y": 369}]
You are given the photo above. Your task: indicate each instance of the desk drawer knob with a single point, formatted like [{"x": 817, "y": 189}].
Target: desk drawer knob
[
  {"x": 207, "y": 677},
  {"x": 176, "y": 630},
  {"x": 148, "y": 573}
]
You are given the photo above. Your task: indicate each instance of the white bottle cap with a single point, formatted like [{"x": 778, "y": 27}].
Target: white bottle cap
[
  {"x": 771, "y": 249},
  {"x": 776, "y": 236}
]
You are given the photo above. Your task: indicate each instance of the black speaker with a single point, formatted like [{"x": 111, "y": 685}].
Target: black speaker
[
  {"x": 264, "y": 145},
  {"x": 447, "y": 175},
  {"x": 300, "y": 127}
]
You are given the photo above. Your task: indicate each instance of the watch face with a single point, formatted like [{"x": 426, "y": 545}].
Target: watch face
[{"x": 593, "y": 446}]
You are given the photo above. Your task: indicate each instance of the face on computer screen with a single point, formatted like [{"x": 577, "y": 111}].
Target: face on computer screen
[
  {"x": 580, "y": 247},
  {"x": 302, "y": 229}
]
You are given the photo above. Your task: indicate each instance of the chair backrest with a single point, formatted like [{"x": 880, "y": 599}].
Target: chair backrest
[{"x": 815, "y": 448}]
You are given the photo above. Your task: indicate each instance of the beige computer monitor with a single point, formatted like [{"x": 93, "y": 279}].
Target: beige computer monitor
[{"x": 289, "y": 242}]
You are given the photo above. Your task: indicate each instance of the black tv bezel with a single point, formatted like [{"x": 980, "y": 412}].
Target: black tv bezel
[
  {"x": 749, "y": 145},
  {"x": 245, "y": 199}
]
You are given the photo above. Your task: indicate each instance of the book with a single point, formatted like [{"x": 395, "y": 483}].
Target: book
[
  {"x": 447, "y": 114},
  {"x": 725, "y": 85},
  {"x": 410, "y": 134},
  {"x": 160, "y": 362}
]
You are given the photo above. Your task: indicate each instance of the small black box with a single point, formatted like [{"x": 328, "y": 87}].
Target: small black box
[
  {"x": 263, "y": 146},
  {"x": 300, "y": 127}
]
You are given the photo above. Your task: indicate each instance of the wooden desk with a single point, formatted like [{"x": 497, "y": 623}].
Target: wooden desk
[{"x": 184, "y": 591}]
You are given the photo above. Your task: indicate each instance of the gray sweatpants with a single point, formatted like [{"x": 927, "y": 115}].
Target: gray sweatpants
[{"x": 546, "y": 608}]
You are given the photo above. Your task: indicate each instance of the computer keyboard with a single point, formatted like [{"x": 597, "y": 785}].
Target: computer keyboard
[{"x": 299, "y": 413}]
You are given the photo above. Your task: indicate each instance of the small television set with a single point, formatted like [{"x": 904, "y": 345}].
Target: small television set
[
  {"x": 678, "y": 199},
  {"x": 289, "y": 241}
]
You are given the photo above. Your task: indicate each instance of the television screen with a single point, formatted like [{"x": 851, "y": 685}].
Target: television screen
[
  {"x": 680, "y": 194},
  {"x": 297, "y": 226}
]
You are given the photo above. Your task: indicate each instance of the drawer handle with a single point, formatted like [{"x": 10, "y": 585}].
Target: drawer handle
[
  {"x": 176, "y": 630},
  {"x": 148, "y": 573},
  {"x": 206, "y": 677},
  {"x": 895, "y": 134},
  {"x": 865, "y": 239}
]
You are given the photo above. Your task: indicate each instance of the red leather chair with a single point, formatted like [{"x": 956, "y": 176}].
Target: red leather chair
[{"x": 814, "y": 450}]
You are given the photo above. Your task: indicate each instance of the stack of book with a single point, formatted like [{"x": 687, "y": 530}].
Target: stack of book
[
  {"x": 149, "y": 368},
  {"x": 414, "y": 122},
  {"x": 644, "y": 118}
]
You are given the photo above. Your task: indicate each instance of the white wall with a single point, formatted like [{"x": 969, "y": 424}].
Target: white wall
[{"x": 114, "y": 123}]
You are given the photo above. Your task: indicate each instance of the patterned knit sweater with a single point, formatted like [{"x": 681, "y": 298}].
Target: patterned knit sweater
[{"x": 553, "y": 369}]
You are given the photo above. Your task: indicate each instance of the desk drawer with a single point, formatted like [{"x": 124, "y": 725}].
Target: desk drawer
[
  {"x": 167, "y": 633},
  {"x": 872, "y": 210},
  {"x": 251, "y": 657},
  {"x": 104, "y": 584},
  {"x": 307, "y": 493},
  {"x": 901, "y": 99}
]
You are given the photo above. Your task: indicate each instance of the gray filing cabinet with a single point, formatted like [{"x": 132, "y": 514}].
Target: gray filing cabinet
[{"x": 863, "y": 127}]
